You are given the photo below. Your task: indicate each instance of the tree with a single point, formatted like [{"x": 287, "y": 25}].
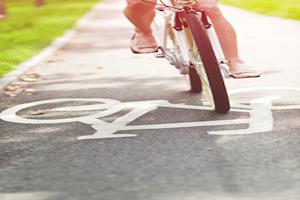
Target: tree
[
  {"x": 39, "y": 2},
  {"x": 2, "y": 9}
]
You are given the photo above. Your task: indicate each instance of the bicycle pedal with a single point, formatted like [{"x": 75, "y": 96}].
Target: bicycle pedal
[
  {"x": 159, "y": 55},
  {"x": 225, "y": 71}
]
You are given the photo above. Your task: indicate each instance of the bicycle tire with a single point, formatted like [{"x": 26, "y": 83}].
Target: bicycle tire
[
  {"x": 210, "y": 63},
  {"x": 195, "y": 81}
]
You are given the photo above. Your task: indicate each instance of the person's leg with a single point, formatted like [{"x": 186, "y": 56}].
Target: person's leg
[
  {"x": 141, "y": 15},
  {"x": 227, "y": 37}
]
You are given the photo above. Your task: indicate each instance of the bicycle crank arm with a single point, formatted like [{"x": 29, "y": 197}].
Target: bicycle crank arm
[{"x": 173, "y": 60}]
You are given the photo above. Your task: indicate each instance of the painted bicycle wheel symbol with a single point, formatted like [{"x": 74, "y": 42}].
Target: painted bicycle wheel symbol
[{"x": 259, "y": 109}]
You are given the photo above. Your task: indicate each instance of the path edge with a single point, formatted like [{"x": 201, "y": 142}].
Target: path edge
[{"x": 55, "y": 45}]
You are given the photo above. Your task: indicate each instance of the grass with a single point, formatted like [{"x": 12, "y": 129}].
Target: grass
[
  {"x": 281, "y": 8},
  {"x": 28, "y": 29}
]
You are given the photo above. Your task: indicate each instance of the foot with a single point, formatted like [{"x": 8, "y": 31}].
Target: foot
[
  {"x": 143, "y": 43},
  {"x": 239, "y": 69}
]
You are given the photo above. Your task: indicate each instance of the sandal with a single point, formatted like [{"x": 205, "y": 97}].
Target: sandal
[
  {"x": 242, "y": 71},
  {"x": 137, "y": 46}
]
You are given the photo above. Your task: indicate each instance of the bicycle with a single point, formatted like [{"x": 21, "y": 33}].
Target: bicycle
[{"x": 190, "y": 44}]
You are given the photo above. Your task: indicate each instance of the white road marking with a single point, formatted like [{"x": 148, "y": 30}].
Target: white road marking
[
  {"x": 11, "y": 113},
  {"x": 271, "y": 88},
  {"x": 255, "y": 89},
  {"x": 108, "y": 107},
  {"x": 260, "y": 121},
  {"x": 107, "y": 130}
]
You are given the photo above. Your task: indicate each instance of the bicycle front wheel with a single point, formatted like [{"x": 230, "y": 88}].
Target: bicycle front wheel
[{"x": 211, "y": 76}]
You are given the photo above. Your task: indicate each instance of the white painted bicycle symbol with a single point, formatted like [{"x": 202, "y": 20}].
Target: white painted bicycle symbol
[{"x": 260, "y": 110}]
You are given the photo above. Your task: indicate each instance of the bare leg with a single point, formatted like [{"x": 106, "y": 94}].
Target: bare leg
[
  {"x": 228, "y": 40},
  {"x": 141, "y": 15},
  {"x": 227, "y": 37}
]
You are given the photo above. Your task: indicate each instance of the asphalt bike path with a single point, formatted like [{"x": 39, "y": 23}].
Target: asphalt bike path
[{"x": 94, "y": 121}]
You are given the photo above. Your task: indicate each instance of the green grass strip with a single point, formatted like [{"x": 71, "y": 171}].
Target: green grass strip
[
  {"x": 28, "y": 29},
  {"x": 281, "y": 8}
]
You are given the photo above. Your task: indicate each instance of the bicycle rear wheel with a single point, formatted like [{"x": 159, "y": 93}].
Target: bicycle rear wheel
[
  {"x": 211, "y": 76},
  {"x": 194, "y": 79}
]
